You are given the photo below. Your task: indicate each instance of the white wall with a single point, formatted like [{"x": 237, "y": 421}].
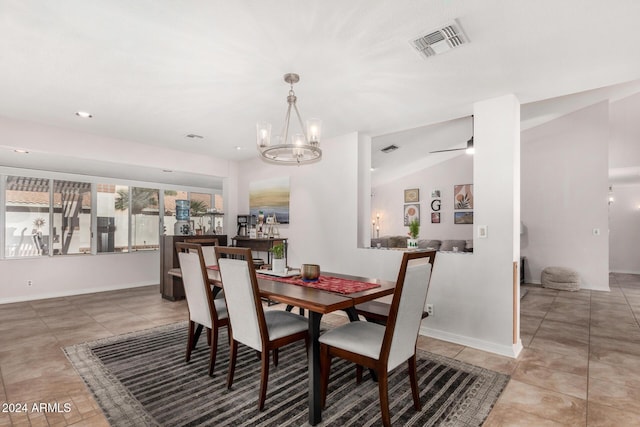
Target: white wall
[
  {"x": 388, "y": 200},
  {"x": 564, "y": 196},
  {"x": 76, "y": 274},
  {"x": 624, "y": 223},
  {"x": 472, "y": 293},
  {"x": 624, "y": 149}
]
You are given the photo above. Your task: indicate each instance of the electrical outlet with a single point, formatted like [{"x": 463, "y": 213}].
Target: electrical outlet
[
  {"x": 29, "y": 283},
  {"x": 430, "y": 309}
]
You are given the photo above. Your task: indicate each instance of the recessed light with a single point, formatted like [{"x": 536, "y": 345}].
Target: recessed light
[
  {"x": 238, "y": 148},
  {"x": 17, "y": 150},
  {"x": 83, "y": 114}
]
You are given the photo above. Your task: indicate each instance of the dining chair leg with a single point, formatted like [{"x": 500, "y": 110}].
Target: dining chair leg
[
  {"x": 190, "y": 340},
  {"x": 232, "y": 362},
  {"x": 325, "y": 369},
  {"x": 275, "y": 357},
  {"x": 264, "y": 376},
  {"x": 358, "y": 374},
  {"x": 208, "y": 336},
  {"x": 413, "y": 378},
  {"x": 214, "y": 350},
  {"x": 384, "y": 397}
]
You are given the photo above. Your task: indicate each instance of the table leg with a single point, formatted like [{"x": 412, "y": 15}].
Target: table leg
[
  {"x": 352, "y": 314},
  {"x": 315, "y": 410}
]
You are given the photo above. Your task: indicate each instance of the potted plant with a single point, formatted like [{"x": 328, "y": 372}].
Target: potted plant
[
  {"x": 278, "y": 263},
  {"x": 414, "y": 230}
]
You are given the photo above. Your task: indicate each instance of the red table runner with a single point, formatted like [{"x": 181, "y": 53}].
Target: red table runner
[{"x": 325, "y": 283}]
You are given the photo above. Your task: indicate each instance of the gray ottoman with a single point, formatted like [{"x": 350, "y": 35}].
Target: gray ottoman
[{"x": 564, "y": 279}]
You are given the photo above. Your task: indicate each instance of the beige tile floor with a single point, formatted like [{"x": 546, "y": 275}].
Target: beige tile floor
[{"x": 580, "y": 365}]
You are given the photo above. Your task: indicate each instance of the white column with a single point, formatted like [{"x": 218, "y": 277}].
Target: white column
[{"x": 497, "y": 207}]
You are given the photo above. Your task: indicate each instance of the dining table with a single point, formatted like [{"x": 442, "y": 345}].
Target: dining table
[{"x": 317, "y": 302}]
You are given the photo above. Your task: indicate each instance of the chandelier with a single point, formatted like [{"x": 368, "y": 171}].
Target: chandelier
[{"x": 303, "y": 148}]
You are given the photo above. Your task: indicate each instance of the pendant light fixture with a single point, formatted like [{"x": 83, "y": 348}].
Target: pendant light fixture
[{"x": 304, "y": 147}]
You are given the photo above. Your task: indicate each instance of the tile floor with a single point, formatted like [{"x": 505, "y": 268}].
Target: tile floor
[{"x": 580, "y": 365}]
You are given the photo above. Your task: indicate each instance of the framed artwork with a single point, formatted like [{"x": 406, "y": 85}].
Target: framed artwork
[
  {"x": 435, "y": 217},
  {"x": 271, "y": 196},
  {"x": 435, "y": 193},
  {"x": 411, "y": 212},
  {"x": 435, "y": 204},
  {"x": 412, "y": 195},
  {"x": 463, "y": 217},
  {"x": 463, "y": 196}
]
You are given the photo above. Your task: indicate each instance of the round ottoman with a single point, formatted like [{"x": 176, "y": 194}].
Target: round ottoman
[{"x": 564, "y": 279}]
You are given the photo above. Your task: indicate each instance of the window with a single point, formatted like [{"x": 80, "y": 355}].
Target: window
[
  {"x": 27, "y": 217},
  {"x": 112, "y": 218},
  {"x": 51, "y": 217},
  {"x": 145, "y": 218},
  {"x": 71, "y": 217}
]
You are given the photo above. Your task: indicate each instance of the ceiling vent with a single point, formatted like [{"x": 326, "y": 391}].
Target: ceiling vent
[
  {"x": 389, "y": 148},
  {"x": 439, "y": 41}
]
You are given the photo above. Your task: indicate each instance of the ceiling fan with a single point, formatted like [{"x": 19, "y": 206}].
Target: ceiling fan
[{"x": 469, "y": 148}]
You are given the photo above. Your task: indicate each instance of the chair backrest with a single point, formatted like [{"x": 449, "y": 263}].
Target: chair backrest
[
  {"x": 196, "y": 284},
  {"x": 242, "y": 295},
  {"x": 208, "y": 249},
  {"x": 405, "y": 314}
]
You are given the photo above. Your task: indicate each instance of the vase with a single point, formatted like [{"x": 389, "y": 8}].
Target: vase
[
  {"x": 412, "y": 243},
  {"x": 278, "y": 265}
]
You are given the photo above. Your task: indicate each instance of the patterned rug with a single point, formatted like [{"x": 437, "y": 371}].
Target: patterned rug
[{"x": 141, "y": 379}]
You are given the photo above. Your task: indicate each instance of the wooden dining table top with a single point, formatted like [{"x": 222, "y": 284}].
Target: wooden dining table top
[{"x": 317, "y": 300}]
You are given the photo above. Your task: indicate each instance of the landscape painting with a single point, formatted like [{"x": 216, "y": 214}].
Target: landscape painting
[
  {"x": 271, "y": 196},
  {"x": 463, "y": 218}
]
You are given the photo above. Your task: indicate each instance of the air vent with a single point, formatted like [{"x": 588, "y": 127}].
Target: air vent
[
  {"x": 194, "y": 136},
  {"x": 389, "y": 148},
  {"x": 439, "y": 41}
]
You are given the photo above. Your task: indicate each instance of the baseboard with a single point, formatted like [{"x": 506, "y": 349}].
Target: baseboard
[
  {"x": 511, "y": 350},
  {"x": 71, "y": 292},
  {"x": 625, "y": 272}
]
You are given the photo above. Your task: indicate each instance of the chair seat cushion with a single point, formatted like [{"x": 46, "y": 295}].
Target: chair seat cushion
[
  {"x": 363, "y": 338},
  {"x": 221, "y": 308},
  {"x": 283, "y": 323}
]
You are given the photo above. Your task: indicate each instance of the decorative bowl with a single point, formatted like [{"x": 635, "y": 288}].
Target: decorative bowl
[{"x": 310, "y": 272}]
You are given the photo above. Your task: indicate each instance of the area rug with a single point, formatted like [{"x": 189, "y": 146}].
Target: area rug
[{"x": 141, "y": 379}]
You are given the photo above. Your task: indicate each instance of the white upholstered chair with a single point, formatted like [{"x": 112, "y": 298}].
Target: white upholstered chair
[
  {"x": 209, "y": 254},
  {"x": 381, "y": 348},
  {"x": 204, "y": 310},
  {"x": 249, "y": 323}
]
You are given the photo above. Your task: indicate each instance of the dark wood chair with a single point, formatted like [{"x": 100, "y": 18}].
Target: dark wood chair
[
  {"x": 207, "y": 249},
  {"x": 204, "y": 310},
  {"x": 249, "y": 323},
  {"x": 378, "y": 311},
  {"x": 383, "y": 348}
]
